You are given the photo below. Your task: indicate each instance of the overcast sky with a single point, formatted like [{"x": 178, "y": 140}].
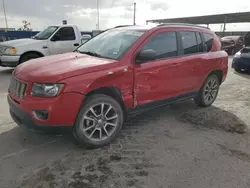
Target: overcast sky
[{"x": 41, "y": 13}]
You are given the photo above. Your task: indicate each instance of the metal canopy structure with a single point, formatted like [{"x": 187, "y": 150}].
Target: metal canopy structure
[{"x": 238, "y": 17}]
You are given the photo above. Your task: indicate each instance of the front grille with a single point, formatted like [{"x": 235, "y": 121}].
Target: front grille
[{"x": 17, "y": 88}]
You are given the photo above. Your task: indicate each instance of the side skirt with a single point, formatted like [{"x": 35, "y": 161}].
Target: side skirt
[{"x": 146, "y": 107}]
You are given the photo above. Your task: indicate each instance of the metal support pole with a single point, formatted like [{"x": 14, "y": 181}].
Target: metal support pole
[
  {"x": 6, "y": 22},
  {"x": 98, "y": 19},
  {"x": 224, "y": 26},
  {"x": 134, "y": 12}
]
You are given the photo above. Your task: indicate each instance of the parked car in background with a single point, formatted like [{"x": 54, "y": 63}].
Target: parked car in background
[
  {"x": 232, "y": 44},
  {"x": 53, "y": 40},
  {"x": 118, "y": 72},
  {"x": 241, "y": 60}
]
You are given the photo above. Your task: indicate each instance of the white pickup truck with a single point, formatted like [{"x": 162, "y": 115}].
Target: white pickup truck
[{"x": 52, "y": 40}]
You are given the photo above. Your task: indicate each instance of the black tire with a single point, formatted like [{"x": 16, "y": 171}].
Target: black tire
[
  {"x": 200, "y": 99},
  {"x": 28, "y": 57},
  {"x": 237, "y": 70},
  {"x": 80, "y": 134}
]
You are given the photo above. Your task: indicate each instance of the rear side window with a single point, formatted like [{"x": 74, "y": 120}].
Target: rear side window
[
  {"x": 165, "y": 45},
  {"x": 208, "y": 39},
  {"x": 189, "y": 42}
]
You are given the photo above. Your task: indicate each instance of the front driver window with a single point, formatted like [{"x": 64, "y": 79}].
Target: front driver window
[
  {"x": 66, "y": 33},
  {"x": 164, "y": 44}
]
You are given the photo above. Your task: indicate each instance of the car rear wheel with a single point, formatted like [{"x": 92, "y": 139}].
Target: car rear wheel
[
  {"x": 209, "y": 91},
  {"x": 99, "y": 121}
]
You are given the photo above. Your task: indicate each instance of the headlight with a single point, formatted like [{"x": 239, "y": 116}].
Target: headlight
[
  {"x": 237, "y": 54},
  {"x": 8, "y": 50},
  {"x": 46, "y": 90}
]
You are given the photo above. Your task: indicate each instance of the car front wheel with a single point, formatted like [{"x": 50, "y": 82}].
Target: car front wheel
[
  {"x": 99, "y": 121},
  {"x": 209, "y": 91}
]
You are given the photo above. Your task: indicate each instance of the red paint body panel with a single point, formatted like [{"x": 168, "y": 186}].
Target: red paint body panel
[
  {"x": 138, "y": 84},
  {"x": 62, "y": 110},
  {"x": 51, "y": 69}
]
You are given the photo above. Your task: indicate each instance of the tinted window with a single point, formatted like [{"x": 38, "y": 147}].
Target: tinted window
[
  {"x": 208, "y": 41},
  {"x": 164, "y": 44},
  {"x": 189, "y": 42},
  {"x": 241, "y": 40},
  {"x": 200, "y": 43},
  {"x": 66, "y": 33}
]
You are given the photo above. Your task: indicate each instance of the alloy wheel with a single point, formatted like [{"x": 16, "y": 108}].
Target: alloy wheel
[
  {"x": 99, "y": 122},
  {"x": 210, "y": 91}
]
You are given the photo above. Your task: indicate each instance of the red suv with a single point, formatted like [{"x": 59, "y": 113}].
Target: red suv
[{"x": 120, "y": 71}]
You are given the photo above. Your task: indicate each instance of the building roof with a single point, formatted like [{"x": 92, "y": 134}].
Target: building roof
[{"x": 239, "y": 17}]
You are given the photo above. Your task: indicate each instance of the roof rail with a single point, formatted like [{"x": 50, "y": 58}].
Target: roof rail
[
  {"x": 123, "y": 26},
  {"x": 181, "y": 24}
]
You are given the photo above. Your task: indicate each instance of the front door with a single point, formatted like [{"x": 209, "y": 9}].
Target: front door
[
  {"x": 156, "y": 79},
  {"x": 64, "y": 40}
]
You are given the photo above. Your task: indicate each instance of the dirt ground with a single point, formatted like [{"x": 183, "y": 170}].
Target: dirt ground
[{"x": 175, "y": 146}]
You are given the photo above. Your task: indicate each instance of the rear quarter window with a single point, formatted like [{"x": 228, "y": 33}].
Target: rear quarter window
[{"x": 208, "y": 39}]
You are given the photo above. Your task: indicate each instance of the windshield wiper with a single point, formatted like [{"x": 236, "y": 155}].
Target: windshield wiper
[{"x": 90, "y": 53}]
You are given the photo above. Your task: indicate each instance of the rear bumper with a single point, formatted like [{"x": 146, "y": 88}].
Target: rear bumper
[
  {"x": 241, "y": 63},
  {"x": 9, "y": 61}
]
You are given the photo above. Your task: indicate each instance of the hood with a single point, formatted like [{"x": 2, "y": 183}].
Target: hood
[
  {"x": 20, "y": 42},
  {"x": 51, "y": 69}
]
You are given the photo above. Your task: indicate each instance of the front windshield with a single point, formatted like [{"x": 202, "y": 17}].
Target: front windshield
[
  {"x": 45, "y": 34},
  {"x": 111, "y": 44}
]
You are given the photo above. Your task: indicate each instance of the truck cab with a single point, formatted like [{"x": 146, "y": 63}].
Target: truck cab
[{"x": 52, "y": 40}]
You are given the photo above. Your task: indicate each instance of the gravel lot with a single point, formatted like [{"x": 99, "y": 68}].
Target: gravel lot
[{"x": 170, "y": 147}]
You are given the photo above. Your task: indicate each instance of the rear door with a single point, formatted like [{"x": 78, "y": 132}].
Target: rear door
[
  {"x": 192, "y": 57},
  {"x": 64, "y": 40}
]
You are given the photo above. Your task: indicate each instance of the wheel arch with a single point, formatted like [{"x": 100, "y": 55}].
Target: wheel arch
[
  {"x": 218, "y": 73},
  {"x": 30, "y": 52},
  {"x": 111, "y": 91}
]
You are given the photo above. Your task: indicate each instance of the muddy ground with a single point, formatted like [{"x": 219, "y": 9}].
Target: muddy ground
[{"x": 170, "y": 147}]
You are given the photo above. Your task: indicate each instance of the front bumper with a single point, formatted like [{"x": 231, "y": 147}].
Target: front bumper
[
  {"x": 9, "y": 60},
  {"x": 62, "y": 111},
  {"x": 241, "y": 63}
]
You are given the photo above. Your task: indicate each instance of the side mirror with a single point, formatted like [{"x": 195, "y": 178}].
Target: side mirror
[
  {"x": 55, "y": 38},
  {"x": 145, "y": 55}
]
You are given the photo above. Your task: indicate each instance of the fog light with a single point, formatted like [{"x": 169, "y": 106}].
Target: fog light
[{"x": 41, "y": 114}]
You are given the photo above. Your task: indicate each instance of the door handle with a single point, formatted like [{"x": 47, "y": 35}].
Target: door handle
[{"x": 76, "y": 44}]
